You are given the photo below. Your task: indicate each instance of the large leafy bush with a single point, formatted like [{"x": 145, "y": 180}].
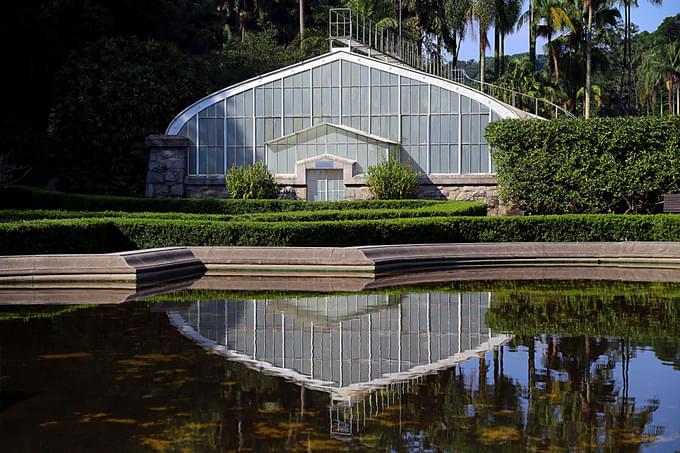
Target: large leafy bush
[
  {"x": 109, "y": 96},
  {"x": 621, "y": 165},
  {"x": 391, "y": 180}
]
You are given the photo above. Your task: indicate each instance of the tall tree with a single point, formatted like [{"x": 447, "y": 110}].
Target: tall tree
[
  {"x": 663, "y": 69},
  {"x": 530, "y": 18},
  {"x": 555, "y": 18},
  {"x": 457, "y": 14},
  {"x": 302, "y": 21},
  {"x": 588, "y": 6},
  {"x": 507, "y": 14},
  {"x": 483, "y": 11},
  {"x": 627, "y": 49}
]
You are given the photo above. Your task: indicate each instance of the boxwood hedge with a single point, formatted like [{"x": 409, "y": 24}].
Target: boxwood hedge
[
  {"x": 449, "y": 208},
  {"x": 22, "y": 197},
  {"x": 116, "y": 234},
  {"x": 600, "y": 165}
]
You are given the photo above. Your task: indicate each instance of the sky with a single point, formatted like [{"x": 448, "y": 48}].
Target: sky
[{"x": 646, "y": 16}]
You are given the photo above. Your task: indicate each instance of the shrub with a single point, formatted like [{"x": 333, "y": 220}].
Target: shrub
[
  {"x": 252, "y": 181},
  {"x": 586, "y": 166},
  {"x": 391, "y": 180}
]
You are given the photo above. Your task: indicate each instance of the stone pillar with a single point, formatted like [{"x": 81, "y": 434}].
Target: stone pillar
[{"x": 167, "y": 165}]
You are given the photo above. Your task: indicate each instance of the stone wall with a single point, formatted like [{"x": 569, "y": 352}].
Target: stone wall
[
  {"x": 205, "y": 187},
  {"x": 485, "y": 193},
  {"x": 167, "y": 165}
]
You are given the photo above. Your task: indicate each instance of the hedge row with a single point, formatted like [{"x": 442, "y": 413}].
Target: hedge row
[
  {"x": 21, "y": 197},
  {"x": 622, "y": 165},
  {"x": 450, "y": 208},
  {"x": 107, "y": 235}
]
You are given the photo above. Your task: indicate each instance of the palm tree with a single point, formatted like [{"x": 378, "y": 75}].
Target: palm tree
[
  {"x": 663, "y": 68},
  {"x": 456, "y": 15},
  {"x": 483, "y": 11},
  {"x": 530, "y": 18},
  {"x": 507, "y": 14},
  {"x": 627, "y": 51},
  {"x": 576, "y": 46},
  {"x": 555, "y": 18},
  {"x": 378, "y": 11},
  {"x": 588, "y": 5}
]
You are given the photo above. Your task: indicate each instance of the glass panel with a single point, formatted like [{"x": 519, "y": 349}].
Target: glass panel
[
  {"x": 202, "y": 160},
  {"x": 248, "y": 103},
  {"x": 276, "y": 99},
  {"x": 268, "y": 103}
]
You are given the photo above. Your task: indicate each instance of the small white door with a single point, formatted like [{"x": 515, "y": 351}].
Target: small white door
[{"x": 325, "y": 185}]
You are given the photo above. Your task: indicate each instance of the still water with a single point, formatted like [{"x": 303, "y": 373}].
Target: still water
[{"x": 503, "y": 366}]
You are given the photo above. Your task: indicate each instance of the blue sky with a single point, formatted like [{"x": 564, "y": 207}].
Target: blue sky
[{"x": 646, "y": 16}]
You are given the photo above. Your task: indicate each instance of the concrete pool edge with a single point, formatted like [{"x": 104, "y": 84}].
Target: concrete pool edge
[
  {"x": 116, "y": 270},
  {"x": 140, "y": 267},
  {"x": 373, "y": 261}
]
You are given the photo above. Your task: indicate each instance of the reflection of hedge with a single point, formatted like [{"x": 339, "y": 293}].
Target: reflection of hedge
[
  {"x": 12, "y": 313},
  {"x": 542, "y": 288},
  {"x": 105, "y": 235},
  {"x": 587, "y": 166},
  {"x": 642, "y": 313}
]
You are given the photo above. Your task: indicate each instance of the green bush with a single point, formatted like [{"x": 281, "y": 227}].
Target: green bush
[
  {"x": 21, "y": 197},
  {"x": 106, "y": 235},
  {"x": 109, "y": 95},
  {"x": 391, "y": 180},
  {"x": 252, "y": 181},
  {"x": 621, "y": 165}
]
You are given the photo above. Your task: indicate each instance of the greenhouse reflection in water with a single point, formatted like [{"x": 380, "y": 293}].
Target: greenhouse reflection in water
[
  {"x": 363, "y": 350},
  {"x": 503, "y": 366}
]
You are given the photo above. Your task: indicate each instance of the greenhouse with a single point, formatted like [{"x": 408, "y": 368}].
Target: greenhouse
[{"x": 319, "y": 124}]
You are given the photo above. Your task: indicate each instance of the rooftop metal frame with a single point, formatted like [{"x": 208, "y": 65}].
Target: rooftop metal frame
[{"x": 351, "y": 31}]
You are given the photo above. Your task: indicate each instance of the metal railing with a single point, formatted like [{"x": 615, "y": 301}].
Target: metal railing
[{"x": 350, "y": 30}]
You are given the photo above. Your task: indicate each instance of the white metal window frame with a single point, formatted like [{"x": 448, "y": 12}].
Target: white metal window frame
[{"x": 503, "y": 111}]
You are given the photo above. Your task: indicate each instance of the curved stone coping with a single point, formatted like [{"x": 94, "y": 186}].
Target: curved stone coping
[
  {"x": 134, "y": 268},
  {"x": 381, "y": 260},
  {"x": 345, "y": 268}
]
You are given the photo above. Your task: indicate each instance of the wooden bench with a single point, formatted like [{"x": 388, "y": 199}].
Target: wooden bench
[{"x": 671, "y": 202}]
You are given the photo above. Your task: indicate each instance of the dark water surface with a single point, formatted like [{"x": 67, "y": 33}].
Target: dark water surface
[{"x": 494, "y": 367}]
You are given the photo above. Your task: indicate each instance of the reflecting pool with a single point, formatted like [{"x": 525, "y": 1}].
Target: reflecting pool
[{"x": 502, "y": 366}]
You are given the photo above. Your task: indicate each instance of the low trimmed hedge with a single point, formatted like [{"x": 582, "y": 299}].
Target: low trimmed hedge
[
  {"x": 117, "y": 234},
  {"x": 444, "y": 209},
  {"x": 22, "y": 197},
  {"x": 600, "y": 165}
]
